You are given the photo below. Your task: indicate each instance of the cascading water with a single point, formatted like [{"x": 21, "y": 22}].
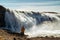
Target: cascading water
[{"x": 35, "y": 23}]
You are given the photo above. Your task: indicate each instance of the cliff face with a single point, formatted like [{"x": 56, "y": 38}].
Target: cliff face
[{"x": 2, "y": 16}]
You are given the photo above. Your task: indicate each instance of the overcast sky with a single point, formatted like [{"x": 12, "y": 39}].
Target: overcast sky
[{"x": 37, "y": 5}]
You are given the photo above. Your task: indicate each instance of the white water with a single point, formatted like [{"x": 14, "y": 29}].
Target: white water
[{"x": 36, "y": 24}]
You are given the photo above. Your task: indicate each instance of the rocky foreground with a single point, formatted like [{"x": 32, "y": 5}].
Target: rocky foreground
[{"x": 5, "y": 35}]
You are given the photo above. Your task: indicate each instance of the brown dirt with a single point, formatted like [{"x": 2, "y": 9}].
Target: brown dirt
[{"x": 4, "y": 35}]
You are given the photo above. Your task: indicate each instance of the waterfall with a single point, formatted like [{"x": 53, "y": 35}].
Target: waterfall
[{"x": 35, "y": 23}]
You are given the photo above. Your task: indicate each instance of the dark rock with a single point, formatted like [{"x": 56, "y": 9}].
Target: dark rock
[
  {"x": 2, "y": 9},
  {"x": 28, "y": 39},
  {"x": 14, "y": 38},
  {"x": 2, "y": 16}
]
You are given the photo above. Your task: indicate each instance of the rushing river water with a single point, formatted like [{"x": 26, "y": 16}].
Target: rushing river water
[{"x": 35, "y": 23}]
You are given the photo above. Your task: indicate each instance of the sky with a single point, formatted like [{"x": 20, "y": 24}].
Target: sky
[
  {"x": 34, "y": 5},
  {"x": 19, "y": 1}
]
